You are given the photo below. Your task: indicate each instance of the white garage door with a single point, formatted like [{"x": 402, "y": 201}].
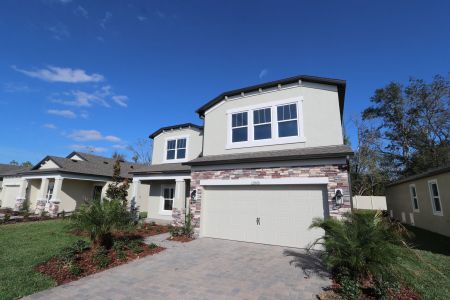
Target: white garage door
[
  {"x": 276, "y": 215},
  {"x": 10, "y": 193}
]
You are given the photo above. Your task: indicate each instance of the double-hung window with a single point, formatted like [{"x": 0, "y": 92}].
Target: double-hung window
[
  {"x": 168, "y": 195},
  {"x": 287, "y": 120},
  {"x": 176, "y": 149},
  {"x": 414, "y": 199},
  {"x": 262, "y": 124},
  {"x": 435, "y": 198},
  {"x": 239, "y": 127}
]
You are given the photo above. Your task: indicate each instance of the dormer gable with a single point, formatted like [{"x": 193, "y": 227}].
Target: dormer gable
[{"x": 46, "y": 163}]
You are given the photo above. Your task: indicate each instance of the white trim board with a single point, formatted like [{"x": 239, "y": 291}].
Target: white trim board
[
  {"x": 167, "y": 177},
  {"x": 256, "y": 181}
]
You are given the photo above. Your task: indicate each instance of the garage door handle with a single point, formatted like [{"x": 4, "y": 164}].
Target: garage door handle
[{"x": 258, "y": 221}]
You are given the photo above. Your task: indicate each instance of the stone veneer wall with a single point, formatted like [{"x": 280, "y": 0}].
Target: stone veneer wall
[{"x": 337, "y": 176}]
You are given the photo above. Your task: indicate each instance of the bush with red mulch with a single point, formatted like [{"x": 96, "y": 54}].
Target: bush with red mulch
[{"x": 180, "y": 238}]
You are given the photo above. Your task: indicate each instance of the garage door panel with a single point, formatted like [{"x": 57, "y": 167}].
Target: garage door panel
[
  {"x": 10, "y": 192},
  {"x": 284, "y": 212}
]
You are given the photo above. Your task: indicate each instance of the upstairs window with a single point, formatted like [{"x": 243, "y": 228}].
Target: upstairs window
[
  {"x": 414, "y": 199},
  {"x": 287, "y": 120},
  {"x": 176, "y": 149},
  {"x": 435, "y": 198},
  {"x": 239, "y": 126},
  {"x": 262, "y": 124}
]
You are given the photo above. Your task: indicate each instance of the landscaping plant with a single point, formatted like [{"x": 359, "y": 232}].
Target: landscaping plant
[
  {"x": 100, "y": 218},
  {"x": 361, "y": 250}
]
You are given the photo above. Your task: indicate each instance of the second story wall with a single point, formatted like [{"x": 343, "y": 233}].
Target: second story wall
[
  {"x": 172, "y": 141},
  {"x": 315, "y": 106}
]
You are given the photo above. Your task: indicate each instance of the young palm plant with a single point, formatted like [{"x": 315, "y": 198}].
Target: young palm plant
[
  {"x": 100, "y": 218},
  {"x": 362, "y": 247}
]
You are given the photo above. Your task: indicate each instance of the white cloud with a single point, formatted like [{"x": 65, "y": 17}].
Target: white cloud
[
  {"x": 58, "y": 74},
  {"x": 92, "y": 135},
  {"x": 85, "y": 148},
  {"x": 59, "y": 31},
  {"x": 120, "y": 146},
  {"x": 160, "y": 14},
  {"x": 62, "y": 113},
  {"x": 106, "y": 19},
  {"x": 81, "y": 11},
  {"x": 11, "y": 87},
  {"x": 49, "y": 126},
  {"x": 263, "y": 73},
  {"x": 142, "y": 18},
  {"x": 121, "y": 100}
]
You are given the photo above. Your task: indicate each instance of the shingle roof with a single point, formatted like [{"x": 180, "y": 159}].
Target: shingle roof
[
  {"x": 431, "y": 172},
  {"x": 276, "y": 155},
  {"x": 9, "y": 170},
  {"x": 314, "y": 79},
  {"x": 92, "y": 165},
  {"x": 163, "y": 169},
  {"x": 178, "y": 126}
]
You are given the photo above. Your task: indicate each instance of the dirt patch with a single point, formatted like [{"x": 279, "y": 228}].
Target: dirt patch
[
  {"x": 180, "y": 238},
  {"x": 84, "y": 264},
  {"x": 151, "y": 229}
]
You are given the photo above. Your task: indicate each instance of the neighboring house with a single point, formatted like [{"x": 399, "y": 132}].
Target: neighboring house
[
  {"x": 7, "y": 178},
  {"x": 422, "y": 200},
  {"x": 268, "y": 160},
  {"x": 58, "y": 184}
]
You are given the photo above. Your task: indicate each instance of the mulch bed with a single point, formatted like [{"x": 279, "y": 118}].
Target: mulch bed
[
  {"x": 180, "y": 238},
  {"x": 60, "y": 272},
  {"x": 151, "y": 229}
]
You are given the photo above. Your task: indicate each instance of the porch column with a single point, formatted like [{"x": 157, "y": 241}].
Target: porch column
[
  {"x": 180, "y": 194},
  {"x": 134, "y": 198},
  {"x": 41, "y": 199},
  {"x": 56, "y": 200},
  {"x": 21, "y": 197}
]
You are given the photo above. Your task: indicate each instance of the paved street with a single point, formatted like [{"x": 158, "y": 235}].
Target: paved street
[{"x": 203, "y": 269}]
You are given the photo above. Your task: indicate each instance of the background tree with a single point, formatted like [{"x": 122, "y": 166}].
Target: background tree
[
  {"x": 141, "y": 151},
  {"x": 27, "y": 164},
  {"x": 14, "y": 163},
  {"x": 118, "y": 189},
  {"x": 118, "y": 156},
  {"x": 413, "y": 125}
]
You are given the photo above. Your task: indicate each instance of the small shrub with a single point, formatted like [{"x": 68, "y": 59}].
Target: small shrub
[
  {"x": 6, "y": 218},
  {"x": 119, "y": 245},
  {"x": 175, "y": 231},
  {"x": 67, "y": 255},
  {"x": 80, "y": 245},
  {"x": 350, "y": 288},
  {"x": 135, "y": 246},
  {"x": 100, "y": 257},
  {"x": 142, "y": 215},
  {"x": 75, "y": 269},
  {"x": 152, "y": 246}
]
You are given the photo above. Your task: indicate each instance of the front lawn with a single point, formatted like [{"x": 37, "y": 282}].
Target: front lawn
[
  {"x": 428, "y": 269},
  {"x": 22, "y": 247}
]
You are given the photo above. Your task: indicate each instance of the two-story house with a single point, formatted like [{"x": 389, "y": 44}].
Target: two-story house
[{"x": 268, "y": 159}]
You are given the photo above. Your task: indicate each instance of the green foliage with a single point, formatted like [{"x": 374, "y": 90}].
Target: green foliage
[
  {"x": 118, "y": 189},
  {"x": 142, "y": 215},
  {"x": 6, "y": 218},
  {"x": 75, "y": 269},
  {"x": 152, "y": 246},
  {"x": 67, "y": 254},
  {"x": 350, "y": 288},
  {"x": 100, "y": 257},
  {"x": 100, "y": 218},
  {"x": 186, "y": 230},
  {"x": 362, "y": 246},
  {"x": 135, "y": 246}
]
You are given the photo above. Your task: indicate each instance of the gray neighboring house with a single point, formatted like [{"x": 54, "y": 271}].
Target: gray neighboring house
[
  {"x": 422, "y": 200},
  {"x": 58, "y": 184},
  {"x": 268, "y": 159}
]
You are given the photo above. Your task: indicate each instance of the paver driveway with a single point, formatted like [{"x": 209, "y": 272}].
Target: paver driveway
[{"x": 203, "y": 269}]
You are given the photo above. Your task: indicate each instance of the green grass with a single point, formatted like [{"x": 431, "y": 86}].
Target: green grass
[
  {"x": 22, "y": 247},
  {"x": 427, "y": 269}
]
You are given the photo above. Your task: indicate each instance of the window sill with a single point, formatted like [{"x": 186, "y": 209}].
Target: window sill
[
  {"x": 268, "y": 142},
  {"x": 169, "y": 161},
  {"x": 438, "y": 214},
  {"x": 416, "y": 210}
]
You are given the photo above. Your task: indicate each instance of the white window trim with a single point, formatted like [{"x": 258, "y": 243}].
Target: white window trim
[
  {"x": 436, "y": 213},
  {"x": 175, "y": 160},
  {"x": 162, "y": 211},
  {"x": 275, "y": 140},
  {"x": 411, "y": 186},
  {"x": 101, "y": 192},
  {"x": 242, "y": 126}
]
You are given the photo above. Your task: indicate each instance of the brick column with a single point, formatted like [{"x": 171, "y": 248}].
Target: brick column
[
  {"x": 178, "y": 208},
  {"x": 41, "y": 199}
]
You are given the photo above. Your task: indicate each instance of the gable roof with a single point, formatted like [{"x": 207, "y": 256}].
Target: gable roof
[
  {"x": 330, "y": 81},
  {"x": 91, "y": 165},
  {"x": 275, "y": 155},
  {"x": 9, "y": 170},
  {"x": 178, "y": 126},
  {"x": 431, "y": 172}
]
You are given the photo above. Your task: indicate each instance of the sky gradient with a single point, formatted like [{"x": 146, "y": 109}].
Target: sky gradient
[{"x": 99, "y": 75}]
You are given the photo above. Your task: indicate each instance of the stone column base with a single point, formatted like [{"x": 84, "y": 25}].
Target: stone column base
[
  {"x": 18, "y": 206},
  {"x": 53, "y": 208},
  {"x": 40, "y": 206}
]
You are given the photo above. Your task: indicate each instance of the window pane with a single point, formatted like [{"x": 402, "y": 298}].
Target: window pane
[
  {"x": 171, "y": 144},
  {"x": 287, "y": 112},
  {"x": 181, "y": 153},
  {"x": 168, "y": 204},
  {"x": 435, "y": 190},
  {"x": 181, "y": 143},
  {"x": 239, "y": 119},
  {"x": 244, "y": 119},
  {"x": 416, "y": 205},
  {"x": 239, "y": 134},
  {"x": 413, "y": 191},
  {"x": 166, "y": 193},
  {"x": 263, "y": 132},
  {"x": 233, "y": 120},
  {"x": 288, "y": 128},
  {"x": 170, "y": 154},
  {"x": 293, "y": 111},
  {"x": 437, "y": 204},
  {"x": 261, "y": 116}
]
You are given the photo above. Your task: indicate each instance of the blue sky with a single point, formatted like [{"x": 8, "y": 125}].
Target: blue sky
[{"x": 103, "y": 74}]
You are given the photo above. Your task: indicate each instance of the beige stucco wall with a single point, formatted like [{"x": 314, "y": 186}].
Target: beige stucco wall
[
  {"x": 321, "y": 118},
  {"x": 74, "y": 193},
  {"x": 399, "y": 200},
  {"x": 9, "y": 191},
  {"x": 49, "y": 164},
  {"x": 33, "y": 192},
  {"x": 194, "y": 144}
]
